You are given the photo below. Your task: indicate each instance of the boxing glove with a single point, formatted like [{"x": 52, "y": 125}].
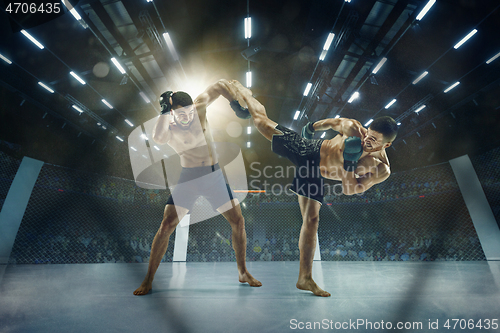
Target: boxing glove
[
  {"x": 353, "y": 149},
  {"x": 240, "y": 111},
  {"x": 165, "y": 104},
  {"x": 308, "y": 131}
]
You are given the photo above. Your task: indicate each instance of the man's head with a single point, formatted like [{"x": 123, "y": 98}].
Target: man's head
[
  {"x": 380, "y": 134},
  {"x": 180, "y": 105}
]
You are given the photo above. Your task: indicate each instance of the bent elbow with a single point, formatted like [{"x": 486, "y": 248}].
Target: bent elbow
[{"x": 159, "y": 140}]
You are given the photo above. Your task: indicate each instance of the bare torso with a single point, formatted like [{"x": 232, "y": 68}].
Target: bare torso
[
  {"x": 195, "y": 144},
  {"x": 332, "y": 160}
]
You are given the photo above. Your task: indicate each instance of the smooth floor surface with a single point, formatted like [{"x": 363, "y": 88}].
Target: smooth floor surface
[{"x": 207, "y": 297}]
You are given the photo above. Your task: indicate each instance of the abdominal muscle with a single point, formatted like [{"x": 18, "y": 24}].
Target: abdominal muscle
[{"x": 195, "y": 147}]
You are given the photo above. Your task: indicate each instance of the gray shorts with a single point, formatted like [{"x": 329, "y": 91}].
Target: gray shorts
[{"x": 207, "y": 182}]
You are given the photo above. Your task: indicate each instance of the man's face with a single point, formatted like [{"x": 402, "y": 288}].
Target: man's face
[
  {"x": 183, "y": 115},
  {"x": 374, "y": 141}
]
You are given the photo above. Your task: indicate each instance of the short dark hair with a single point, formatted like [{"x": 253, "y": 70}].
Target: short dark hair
[
  {"x": 181, "y": 98},
  {"x": 387, "y": 126}
]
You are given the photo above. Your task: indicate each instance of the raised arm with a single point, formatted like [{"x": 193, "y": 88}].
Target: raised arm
[
  {"x": 221, "y": 87},
  {"x": 345, "y": 126},
  {"x": 161, "y": 131}
]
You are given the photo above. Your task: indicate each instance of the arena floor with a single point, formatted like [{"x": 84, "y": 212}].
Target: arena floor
[{"x": 207, "y": 297}]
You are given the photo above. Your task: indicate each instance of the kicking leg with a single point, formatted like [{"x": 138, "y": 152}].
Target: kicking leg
[
  {"x": 232, "y": 213},
  {"x": 307, "y": 245},
  {"x": 171, "y": 217},
  {"x": 265, "y": 125}
]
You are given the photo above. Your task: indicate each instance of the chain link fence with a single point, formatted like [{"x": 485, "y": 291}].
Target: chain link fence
[
  {"x": 487, "y": 167},
  {"x": 8, "y": 169},
  {"x": 77, "y": 217}
]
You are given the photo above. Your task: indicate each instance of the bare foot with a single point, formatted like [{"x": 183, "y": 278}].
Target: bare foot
[
  {"x": 248, "y": 278},
  {"x": 144, "y": 289},
  {"x": 309, "y": 284}
]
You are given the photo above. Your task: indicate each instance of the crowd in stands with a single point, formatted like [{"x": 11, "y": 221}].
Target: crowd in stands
[
  {"x": 131, "y": 245},
  {"x": 76, "y": 247}
]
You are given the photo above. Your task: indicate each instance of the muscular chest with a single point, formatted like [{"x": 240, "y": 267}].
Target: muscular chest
[{"x": 332, "y": 162}]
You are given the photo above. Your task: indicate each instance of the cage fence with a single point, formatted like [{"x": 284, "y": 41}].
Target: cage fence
[
  {"x": 78, "y": 217},
  {"x": 8, "y": 169},
  {"x": 487, "y": 168}
]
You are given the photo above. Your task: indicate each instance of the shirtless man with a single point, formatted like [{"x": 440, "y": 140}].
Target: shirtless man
[
  {"x": 184, "y": 126},
  {"x": 356, "y": 157}
]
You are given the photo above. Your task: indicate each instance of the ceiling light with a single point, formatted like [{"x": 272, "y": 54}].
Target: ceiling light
[
  {"x": 156, "y": 147},
  {"x": 323, "y": 55},
  {"x": 368, "y": 122},
  {"x": 77, "y": 108},
  {"x": 77, "y": 77},
  {"x": 326, "y": 47},
  {"x": 472, "y": 33},
  {"x": 380, "y": 64},
  {"x": 31, "y": 38},
  {"x": 425, "y": 10},
  {"x": 5, "y": 59},
  {"x": 119, "y": 138},
  {"x": 117, "y": 64},
  {"x": 143, "y": 136},
  {"x": 399, "y": 124},
  {"x": 337, "y": 116},
  {"x": 129, "y": 122},
  {"x": 106, "y": 103},
  {"x": 170, "y": 45},
  {"x": 487, "y": 62},
  {"x": 420, "y": 77},
  {"x": 390, "y": 103},
  {"x": 329, "y": 41},
  {"x": 420, "y": 109},
  {"x": 353, "y": 97},
  {"x": 133, "y": 148},
  {"x": 323, "y": 135},
  {"x": 296, "y": 116},
  {"x": 144, "y": 97},
  {"x": 452, "y": 86},
  {"x": 249, "y": 130},
  {"x": 249, "y": 144},
  {"x": 249, "y": 79},
  {"x": 47, "y": 88},
  {"x": 72, "y": 10},
  {"x": 308, "y": 87},
  {"x": 248, "y": 27}
]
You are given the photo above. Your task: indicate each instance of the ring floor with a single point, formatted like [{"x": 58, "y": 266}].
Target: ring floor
[{"x": 207, "y": 297}]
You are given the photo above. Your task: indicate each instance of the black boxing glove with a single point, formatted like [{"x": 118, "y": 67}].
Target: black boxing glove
[{"x": 165, "y": 104}]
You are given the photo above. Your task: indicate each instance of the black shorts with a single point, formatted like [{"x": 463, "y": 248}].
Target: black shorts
[
  {"x": 207, "y": 182},
  {"x": 305, "y": 154}
]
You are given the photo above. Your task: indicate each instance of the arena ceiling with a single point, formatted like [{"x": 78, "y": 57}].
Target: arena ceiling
[{"x": 283, "y": 54}]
